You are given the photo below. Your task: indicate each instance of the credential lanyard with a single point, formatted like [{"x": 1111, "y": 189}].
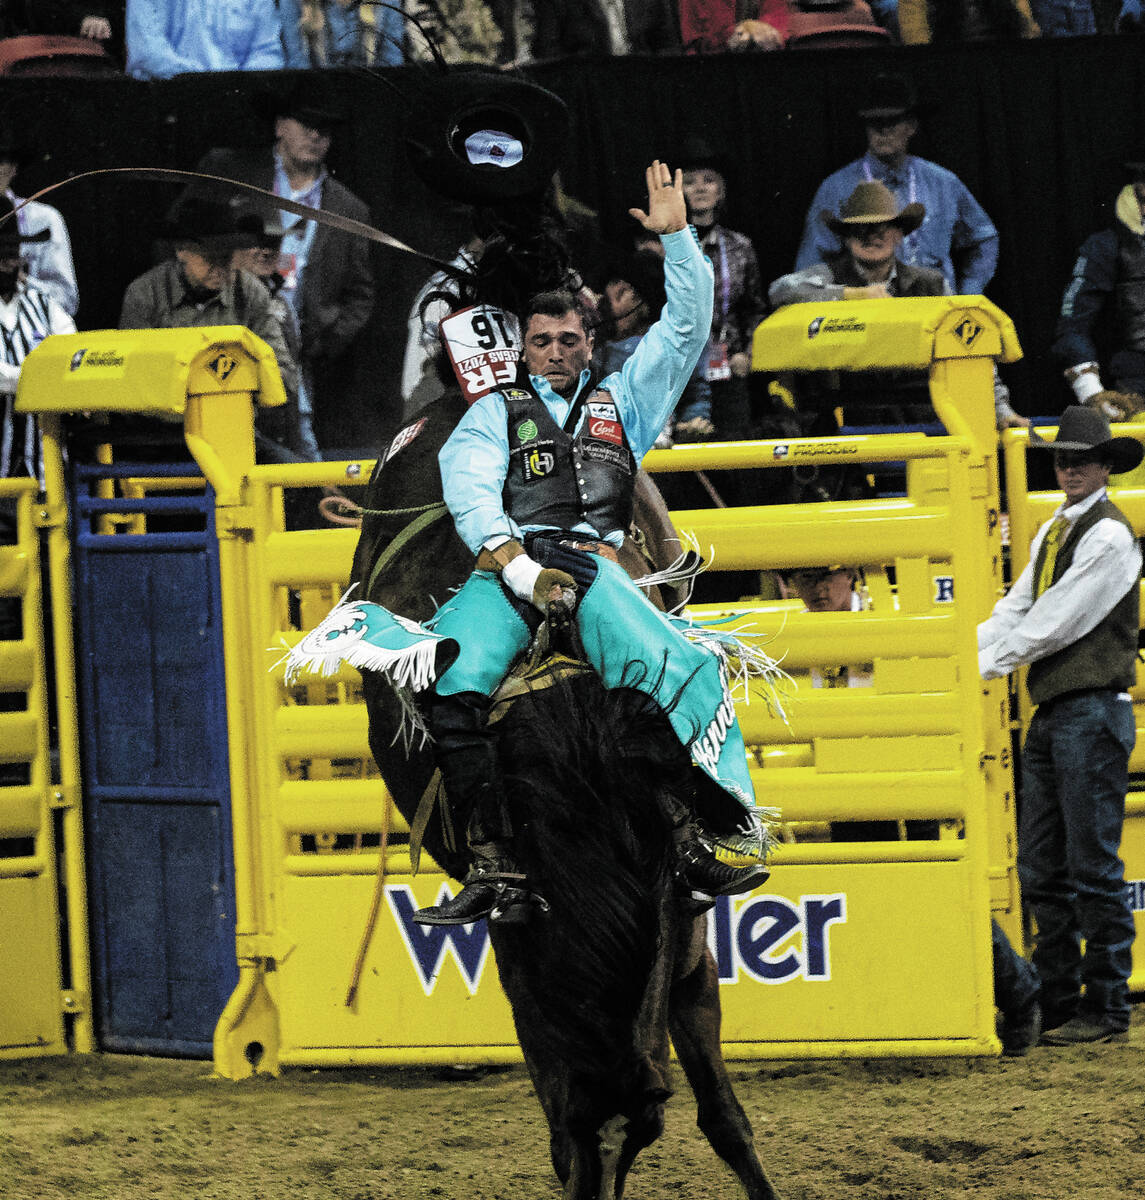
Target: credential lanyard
[{"x": 910, "y": 243}]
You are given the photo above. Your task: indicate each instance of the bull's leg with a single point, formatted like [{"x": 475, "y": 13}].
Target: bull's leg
[{"x": 694, "y": 1021}]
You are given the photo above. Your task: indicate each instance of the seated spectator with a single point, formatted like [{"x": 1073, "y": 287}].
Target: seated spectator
[
  {"x": 957, "y": 236},
  {"x": 739, "y": 303},
  {"x": 836, "y": 588},
  {"x": 1100, "y": 332},
  {"x": 922, "y": 21},
  {"x": 28, "y": 314},
  {"x": 463, "y": 31},
  {"x": 871, "y": 227},
  {"x": 1064, "y": 18},
  {"x": 48, "y": 260},
  {"x": 330, "y": 281},
  {"x": 716, "y": 26},
  {"x": 200, "y": 285},
  {"x": 71, "y": 18},
  {"x": 172, "y": 37},
  {"x": 633, "y": 297},
  {"x": 570, "y": 27},
  {"x": 266, "y": 263}
]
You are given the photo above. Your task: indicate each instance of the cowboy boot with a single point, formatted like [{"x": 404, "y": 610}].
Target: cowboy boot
[
  {"x": 467, "y": 755},
  {"x": 695, "y": 865}
]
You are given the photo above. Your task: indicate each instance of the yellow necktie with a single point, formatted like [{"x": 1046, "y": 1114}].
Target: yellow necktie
[{"x": 1053, "y": 540}]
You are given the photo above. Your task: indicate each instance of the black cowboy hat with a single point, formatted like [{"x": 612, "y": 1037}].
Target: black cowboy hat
[
  {"x": 483, "y": 137},
  {"x": 1085, "y": 429},
  {"x": 10, "y": 236},
  {"x": 306, "y": 100},
  {"x": 696, "y": 154},
  {"x": 644, "y": 271},
  {"x": 889, "y": 95},
  {"x": 212, "y": 225},
  {"x": 873, "y": 203}
]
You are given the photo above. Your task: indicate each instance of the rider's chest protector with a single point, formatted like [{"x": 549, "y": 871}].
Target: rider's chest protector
[{"x": 560, "y": 479}]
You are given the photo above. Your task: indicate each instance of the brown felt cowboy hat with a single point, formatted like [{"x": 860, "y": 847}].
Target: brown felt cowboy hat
[
  {"x": 873, "y": 203},
  {"x": 1086, "y": 429}
]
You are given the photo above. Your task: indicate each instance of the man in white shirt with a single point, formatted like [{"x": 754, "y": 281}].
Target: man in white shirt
[
  {"x": 1072, "y": 617},
  {"x": 47, "y": 260},
  {"x": 27, "y": 316}
]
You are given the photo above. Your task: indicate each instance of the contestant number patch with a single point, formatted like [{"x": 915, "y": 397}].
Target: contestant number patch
[{"x": 484, "y": 345}]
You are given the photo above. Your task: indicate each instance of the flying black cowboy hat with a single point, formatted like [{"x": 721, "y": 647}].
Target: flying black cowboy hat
[
  {"x": 483, "y": 137},
  {"x": 10, "y": 236},
  {"x": 1085, "y": 429}
]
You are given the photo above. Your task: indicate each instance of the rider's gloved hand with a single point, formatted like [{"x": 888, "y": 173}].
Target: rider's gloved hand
[{"x": 528, "y": 580}]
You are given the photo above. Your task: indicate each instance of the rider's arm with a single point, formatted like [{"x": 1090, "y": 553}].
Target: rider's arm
[
  {"x": 649, "y": 384},
  {"x": 474, "y": 463}
]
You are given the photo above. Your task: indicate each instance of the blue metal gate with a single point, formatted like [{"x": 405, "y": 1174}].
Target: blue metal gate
[{"x": 153, "y": 716}]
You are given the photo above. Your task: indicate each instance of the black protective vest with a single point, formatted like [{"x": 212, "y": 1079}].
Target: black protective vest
[
  {"x": 560, "y": 480},
  {"x": 1131, "y": 289},
  {"x": 1106, "y": 657}
]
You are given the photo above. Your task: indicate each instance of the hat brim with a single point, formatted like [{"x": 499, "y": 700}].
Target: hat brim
[
  {"x": 908, "y": 220},
  {"x": 1122, "y": 453}
]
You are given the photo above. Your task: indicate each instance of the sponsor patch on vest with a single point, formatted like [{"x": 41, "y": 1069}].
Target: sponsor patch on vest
[
  {"x": 602, "y": 452},
  {"x": 515, "y": 394},
  {"x": 608, "y": 431},
  {"x": 527, "y": 431},
  {"x": 404, "y": 437},
  {"x": 607, "y": 411},
  {"x": 538, "y": 460}
]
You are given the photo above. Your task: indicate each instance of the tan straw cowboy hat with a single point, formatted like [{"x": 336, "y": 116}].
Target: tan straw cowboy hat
[{"x": 873, "y": 203}]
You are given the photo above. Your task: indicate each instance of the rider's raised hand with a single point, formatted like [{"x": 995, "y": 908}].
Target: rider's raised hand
[{"x": 667, "y": 211}]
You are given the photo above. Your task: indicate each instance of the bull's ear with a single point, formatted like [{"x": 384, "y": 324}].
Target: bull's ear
[{"x": 481, "y": 137}]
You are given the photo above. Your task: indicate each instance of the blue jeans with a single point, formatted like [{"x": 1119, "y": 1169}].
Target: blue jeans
[
  {"x": 1015, "y": 980},
  {"x": 1064, "y": 18},
  {"x": 1075, "y": 772}
]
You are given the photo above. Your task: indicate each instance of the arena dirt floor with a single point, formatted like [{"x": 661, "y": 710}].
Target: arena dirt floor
[{"x": 1058, "y": 1125}]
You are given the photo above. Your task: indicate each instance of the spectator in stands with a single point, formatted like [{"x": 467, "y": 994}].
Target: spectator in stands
[
  {"x": 461, "y": 30},
  {"x": 28, "y": 314},
  {"x": 1064, "y": 18},
  {"x": 1072, "y": 618},
  {"x": 72, "y": 18},
  {"x": 200, "y": 285},
  {"x": 171, "y": 37},
  {"x": 715, "y": 26},
  {"x": 838, "y": 588},
  {"x": 936, "y": 21},
  {"x": 739, "y": 302},
  {"x": 329, "y": 280},
  {"x": 1104, "y": 305},
  {"x": 957, "y": 237},
  {"x": 1131, "y": 18},
  {"x": 872, "y": 228},
  {"x": 568, "y": 27},
  {"x": 633, "y": 297},
  {"x": 264, "y": 261},
  {"x": 321, "y": 33},
  {"x": 48, "y": 260}
]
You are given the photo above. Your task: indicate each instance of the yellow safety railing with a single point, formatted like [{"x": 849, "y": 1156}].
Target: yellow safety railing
[{"x": 41, "y": 830}]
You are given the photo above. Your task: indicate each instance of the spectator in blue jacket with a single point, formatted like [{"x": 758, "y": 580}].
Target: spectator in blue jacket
[
  {"x": 172, "y": 37},
  {"x": 957, "y": 237}
]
